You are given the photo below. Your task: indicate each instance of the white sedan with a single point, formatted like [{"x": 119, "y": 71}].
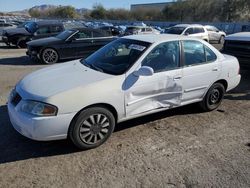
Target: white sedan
[{"x": 132, "y": 76}]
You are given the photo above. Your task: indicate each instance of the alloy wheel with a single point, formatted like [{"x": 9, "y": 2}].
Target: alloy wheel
[{"x": 94, "y": 128}]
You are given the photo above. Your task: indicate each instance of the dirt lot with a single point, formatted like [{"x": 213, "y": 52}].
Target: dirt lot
[{"x": 177, "y": 148}]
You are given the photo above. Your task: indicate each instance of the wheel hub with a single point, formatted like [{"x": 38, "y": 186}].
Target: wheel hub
[
  {"x": 215, "y": 96},
  {"x": 95, "y": 129}
]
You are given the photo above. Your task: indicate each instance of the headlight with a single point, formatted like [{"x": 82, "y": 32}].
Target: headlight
[{"x": 38, "y": 108}]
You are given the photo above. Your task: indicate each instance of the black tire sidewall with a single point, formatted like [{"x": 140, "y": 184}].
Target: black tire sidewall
[
  {"x": 206, "y": 105},
  {"x": 75, "y": 127}
]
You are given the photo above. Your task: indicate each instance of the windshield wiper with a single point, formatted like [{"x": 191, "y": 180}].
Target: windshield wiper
[
  {"x": 92, "y": 66},
  {"x": 96, "y": 68}
]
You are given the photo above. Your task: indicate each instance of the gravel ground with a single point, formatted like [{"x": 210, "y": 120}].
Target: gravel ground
[{"x": 177, "y": 148}]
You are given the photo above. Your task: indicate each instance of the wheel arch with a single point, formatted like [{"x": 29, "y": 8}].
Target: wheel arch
[
  {"x": 103, "y": 105},
  {"x": 223, "y": 82}
]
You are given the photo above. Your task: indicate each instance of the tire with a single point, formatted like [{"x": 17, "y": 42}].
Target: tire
[
  {"x": 213, "y": 98},
  {"x": 49, "y": 56},
  {"x": 21, "y": 43},
  {"x": 222, "y": 39},
  {"x": 92, "y": 128}
]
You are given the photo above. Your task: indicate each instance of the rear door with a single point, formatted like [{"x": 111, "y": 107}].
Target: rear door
[
  {"x": 201, "y": 69},
  {"x": 198, "y": 32}
]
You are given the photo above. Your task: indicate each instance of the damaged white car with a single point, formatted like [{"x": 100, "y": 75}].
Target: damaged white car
[{"x": 130, "y": 77}]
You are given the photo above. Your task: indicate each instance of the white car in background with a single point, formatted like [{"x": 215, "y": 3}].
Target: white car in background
[
  {"x": 130, "y": 77},
  {"x": 192, "y": 30},
  {"x": 215, "y": 35},
  {"x": 140, "y": 30}
]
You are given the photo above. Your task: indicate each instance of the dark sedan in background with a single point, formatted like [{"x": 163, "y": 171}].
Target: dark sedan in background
[
  {"x": 70, "y": 44},
  {"x": 30, "y": 31}
]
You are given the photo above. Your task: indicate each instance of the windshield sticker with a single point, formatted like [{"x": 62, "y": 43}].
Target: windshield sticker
[{"x": 136, "y": 47}]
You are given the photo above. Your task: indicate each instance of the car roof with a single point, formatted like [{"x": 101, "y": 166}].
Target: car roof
[
  {"x": 49, "y": 22},
  {"x": 188, "y": 25},
  {"x": 157, "y": 38}
]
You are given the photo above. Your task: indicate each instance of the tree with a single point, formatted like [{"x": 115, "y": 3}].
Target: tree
[
  {"x": 34, "y": 13},
  {"x": 98, "y": 12}
]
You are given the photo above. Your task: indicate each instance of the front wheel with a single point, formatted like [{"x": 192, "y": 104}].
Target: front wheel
[
  {"x": 49, "y": 56},
  {"x": 92, "y": 128},
  {"x": 213, "y": 98}
]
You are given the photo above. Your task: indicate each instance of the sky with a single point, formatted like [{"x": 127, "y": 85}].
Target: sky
[{"x": 13, "y": 5}]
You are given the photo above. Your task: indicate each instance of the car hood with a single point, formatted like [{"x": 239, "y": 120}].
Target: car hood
[
  {"x": 12, "y": 31},
  {"x": 50, "y": 81},
  {"x": 242, "y": 36},
  {"x": 44, "y": 41}
]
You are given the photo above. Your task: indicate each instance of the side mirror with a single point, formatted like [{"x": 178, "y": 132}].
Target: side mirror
[
  {"x": 144, "y": 71},
  {"x": 186, "y": 33},
  {"x": 35, "y": 34}
]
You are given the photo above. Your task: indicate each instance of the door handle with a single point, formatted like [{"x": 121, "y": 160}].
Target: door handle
[
  {"x": 215, "y": 69},
  {"x": 177, "y": 77}
]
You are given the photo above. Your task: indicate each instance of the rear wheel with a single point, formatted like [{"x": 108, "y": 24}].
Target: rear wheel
[
  {"x": 213, "y": 98},
  {"x": 49, "y": 56},
  {"x": 92, "y": 128}
]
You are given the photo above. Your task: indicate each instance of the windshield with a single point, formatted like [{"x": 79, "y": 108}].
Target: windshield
[
  {"x": 116, "y": 57},
  {"x": 65, "y": 34},
  {"x": 31, "y": 27},
  {"x": 175, "y": 30}
]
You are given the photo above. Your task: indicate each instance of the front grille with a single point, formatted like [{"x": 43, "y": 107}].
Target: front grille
[{"x": 16, "y": 99}]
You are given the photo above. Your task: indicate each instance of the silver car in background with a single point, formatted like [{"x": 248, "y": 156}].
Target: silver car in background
[
  {"x": 192, "y": 30},
  {"x": 215, "y": 34}
]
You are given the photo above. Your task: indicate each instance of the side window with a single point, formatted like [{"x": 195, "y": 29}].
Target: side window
[
  {"x": 189, "y": 31},
  {"x": 198, "y": 30},
  {"x": 82, "y": 35},
  {"x": 97, "y": 34},
  {"x": 165, "y": 56},
  {"x": 143, "y": 29},
  {"x": 55, "y": 29},
  {"x": 210, "y": 55},
  {"x": 148, "y": 29},
  {"x": 43, "y": 30},
  {"x": 194, "y": 52}
]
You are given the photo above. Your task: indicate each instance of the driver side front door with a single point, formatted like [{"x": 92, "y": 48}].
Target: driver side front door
[{"x": 163, "y": 89}]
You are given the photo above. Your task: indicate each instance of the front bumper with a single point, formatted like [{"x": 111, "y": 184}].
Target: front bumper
[
  {"x": 5, "y": 39},
  {"x": 32, "y": 54},
  {"x": 40, "y": 128}
]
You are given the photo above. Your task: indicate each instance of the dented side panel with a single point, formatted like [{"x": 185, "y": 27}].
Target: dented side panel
[{"x": 146, "y": 93}]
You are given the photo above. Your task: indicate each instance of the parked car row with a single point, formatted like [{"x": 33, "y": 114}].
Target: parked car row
[{"x": 71, "y": 40}]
